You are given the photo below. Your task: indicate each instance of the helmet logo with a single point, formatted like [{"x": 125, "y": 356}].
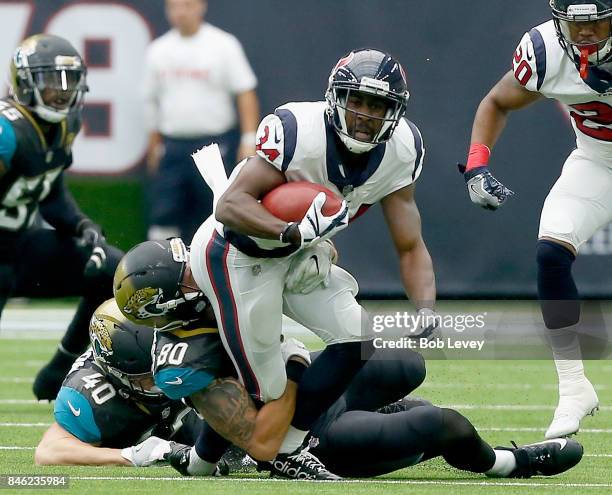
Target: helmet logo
[
  {"x": 101, "y": 339},
  {"x": 142, "y": 301},
  {"x": 344, "y": 61}
]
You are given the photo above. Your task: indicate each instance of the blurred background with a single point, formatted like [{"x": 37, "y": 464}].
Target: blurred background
[{"x": 453, "y": 52}]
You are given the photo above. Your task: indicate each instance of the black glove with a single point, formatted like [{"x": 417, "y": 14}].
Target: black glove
[
  {"x": 484, "y": 189},
  {"x": 91, "y": 239}
]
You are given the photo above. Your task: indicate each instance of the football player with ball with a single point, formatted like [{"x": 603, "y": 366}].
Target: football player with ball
[{"x": 358, "y": 145}]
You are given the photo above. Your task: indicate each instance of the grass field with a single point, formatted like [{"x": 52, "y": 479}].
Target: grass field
[{"x": 506, "y": 400}]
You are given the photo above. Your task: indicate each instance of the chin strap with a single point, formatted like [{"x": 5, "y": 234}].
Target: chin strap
[{"x": 584, "y": 63}]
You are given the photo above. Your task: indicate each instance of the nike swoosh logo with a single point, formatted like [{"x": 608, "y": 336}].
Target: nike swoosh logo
[
  {"x": 176, "y": 381},
  {"x": 561, "y": 441},
  {"x": 76, "y": 412}
]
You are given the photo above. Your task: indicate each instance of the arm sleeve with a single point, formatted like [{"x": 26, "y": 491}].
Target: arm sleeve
[
  {"x": 240, "y": 74},
  {"x": 8, "y": 141},
  {"x": 60, "y": 209},
  {"x": 74, "y": 413}
]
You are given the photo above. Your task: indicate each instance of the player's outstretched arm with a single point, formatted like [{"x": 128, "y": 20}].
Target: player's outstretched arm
[
  {"x": 239, "y": 208},
  {"x": 228, "y": 409},
  {"x": 59, "y": 447},
  {"x": 416, "y": 268},
  {"x": 506, "y": 96}
]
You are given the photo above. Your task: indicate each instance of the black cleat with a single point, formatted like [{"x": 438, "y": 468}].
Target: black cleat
[
  {"x": 178, "y": 458},
  {"x": 299, "y": 465},
  {"x": 545, "y": 458},
  {"x": 49, "y": 379}
]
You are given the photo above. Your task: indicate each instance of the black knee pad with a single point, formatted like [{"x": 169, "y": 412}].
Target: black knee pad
[{"x": 556, "y": 288}]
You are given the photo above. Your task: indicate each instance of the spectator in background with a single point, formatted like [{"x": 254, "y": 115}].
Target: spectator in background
[{"x": 194, "y": 73}]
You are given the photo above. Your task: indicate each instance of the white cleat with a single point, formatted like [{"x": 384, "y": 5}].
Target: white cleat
[{"x": 576, "y": 401}]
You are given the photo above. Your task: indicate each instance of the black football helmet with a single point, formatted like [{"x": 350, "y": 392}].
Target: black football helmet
[
  {"x": 123, "y": 350},
  {"x": 568, "y": 12},
  {"x": 46, "y": 62},
  {"x": 148, "y": 286},
  {"x": 373, "y": 72}
]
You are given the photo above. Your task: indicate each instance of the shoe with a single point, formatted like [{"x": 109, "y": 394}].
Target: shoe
[
  {"x": 299, "y": 465},
  {"x": 49, "y": 379},
  {"x": 178, "y": 458},
  {"x": 576, "y": 400},
  {"x": 545, "y": 458}
]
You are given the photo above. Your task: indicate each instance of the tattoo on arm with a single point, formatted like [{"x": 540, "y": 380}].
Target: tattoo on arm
[{"x": 228, "y": 409}]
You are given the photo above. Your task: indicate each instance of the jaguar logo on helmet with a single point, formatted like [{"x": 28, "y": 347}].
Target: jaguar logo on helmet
[
  {"x": 100, "y": 338},
  {"x": 142, "y": 302}
]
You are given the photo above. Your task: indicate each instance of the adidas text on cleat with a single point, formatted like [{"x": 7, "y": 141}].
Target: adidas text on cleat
[{"x": 299, "y": 465}]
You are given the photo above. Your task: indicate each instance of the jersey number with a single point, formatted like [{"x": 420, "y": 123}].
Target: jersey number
[
  {"x": 593, "y": 119},
  {"x": 101, "y": 394},
  {"x": 522, "y": 69},
  {"x": 172, "y": 354}
]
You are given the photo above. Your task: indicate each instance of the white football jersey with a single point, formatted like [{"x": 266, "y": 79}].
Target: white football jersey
[
  {"x": 299, "y": 141},
  {"x": 540, "y": 64}
]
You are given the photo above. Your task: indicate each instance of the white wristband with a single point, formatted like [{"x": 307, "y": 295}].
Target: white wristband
[{"x": 248, "y": 139}]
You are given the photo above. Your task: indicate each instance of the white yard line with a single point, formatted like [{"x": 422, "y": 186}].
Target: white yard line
[
  {"x": 16, "y": 379},
  {"x": 511, "y": 407},
  {"x": 527, "y": 484},
  {"x": 24, "y": 425}
]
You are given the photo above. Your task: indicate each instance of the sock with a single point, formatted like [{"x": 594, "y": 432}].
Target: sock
[
  {"x": 505, "y": 463},
  {"x": 556, "y": 288},
  {"x": 568, "y": 357},
  {"x": 198, "y": 466},
  {"x": 210, "y": 446},
  {"x": 293, "y": 439}
]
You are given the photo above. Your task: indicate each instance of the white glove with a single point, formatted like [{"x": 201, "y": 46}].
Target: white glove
[
  {"x": 310, "y": 268},
  {"x": 485, "y": 190},
  {"x": 293, "y": 347},
  {"x": 316, "y": 227},
  {"x": 147, "y": 453}
]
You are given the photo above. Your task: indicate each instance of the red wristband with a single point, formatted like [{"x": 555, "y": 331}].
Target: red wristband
[{"x": 478, "y": 156}]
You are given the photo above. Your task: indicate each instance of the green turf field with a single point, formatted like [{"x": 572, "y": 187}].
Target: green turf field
[{"x": 506, "y": 400}]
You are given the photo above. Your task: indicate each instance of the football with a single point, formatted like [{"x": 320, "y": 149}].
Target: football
[{"x": 291, "y": 201}]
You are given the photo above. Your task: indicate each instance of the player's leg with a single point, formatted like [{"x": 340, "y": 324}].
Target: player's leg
[
  {"x": 387, "y": 377},
  {"x": 166, "y": 191},
  {"x": 364, "y": 444},
  {"x": 578, "y": 205},
  {"x": 334, "y": 315},
  {"x": 51, "y": 265},
  {"x": 246, "y": 296}
]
